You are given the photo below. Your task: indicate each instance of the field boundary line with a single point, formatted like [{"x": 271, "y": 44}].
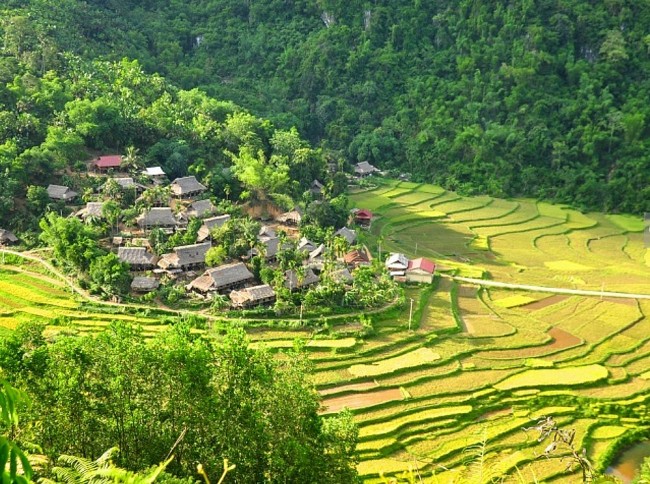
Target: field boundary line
[{"x": 553, "y": 290}]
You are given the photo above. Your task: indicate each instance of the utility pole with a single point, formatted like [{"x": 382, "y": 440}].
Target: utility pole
[
  {"x": 301, "y": 313},
  {"x": 411, "y": 314}
]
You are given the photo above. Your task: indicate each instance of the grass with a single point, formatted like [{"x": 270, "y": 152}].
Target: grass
[{"x": 552, "y": 377}]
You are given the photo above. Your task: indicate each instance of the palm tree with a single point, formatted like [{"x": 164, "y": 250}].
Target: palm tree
[{"x": 131, "y": 160}]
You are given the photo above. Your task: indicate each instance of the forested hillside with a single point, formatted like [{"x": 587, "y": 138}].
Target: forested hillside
[{"x": 544, "y": 98}]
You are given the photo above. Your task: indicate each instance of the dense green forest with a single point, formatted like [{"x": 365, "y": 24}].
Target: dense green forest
[{"x": 545, "y": 98}]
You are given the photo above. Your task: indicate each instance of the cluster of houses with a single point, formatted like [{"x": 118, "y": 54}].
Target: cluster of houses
[
  {"x": 234, "y": 279},
  {"x": 403, "y": 269},
  {"x": 187, "y": 263}
]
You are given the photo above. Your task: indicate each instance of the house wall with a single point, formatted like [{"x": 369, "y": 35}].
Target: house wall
[{"x": 419, "y": 277}]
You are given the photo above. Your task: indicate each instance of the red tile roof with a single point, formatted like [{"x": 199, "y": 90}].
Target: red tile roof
[
  {"x": 363, "y": 214},
  {"x": 108, "y": 161},
  {"x": 423, "y": 264}
]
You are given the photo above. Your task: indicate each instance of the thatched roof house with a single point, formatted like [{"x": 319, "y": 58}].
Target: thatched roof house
[
  {"x": 59, "y": 192},
  {"x": 266, "y": 232},
  {"x": 91, "y": 210},
  {"x": 7, "y": 237},
  {"x": 187, "y": 187},
  {"x": 185, "y": 257},
  {"x": 144, "y": 284},
  {"x": 137, "y": 257},
  {"x": 306, "y": 245},
  {"x": 221, "y": 278},
  {"x": 293, "y": 282},
  {"x": 364, "y": 169},
  {"x": 209, "y": 224},
  {"x": 201, "y": 208},
  {"x": 348, "y": 234},
  {"x": 252, "y": 296},
  {"x": 153, "y": 171},
  {"x": 290, "y": 218},
  {"x": 157, "y": 217},
  {"x": 342, "y": 276}
]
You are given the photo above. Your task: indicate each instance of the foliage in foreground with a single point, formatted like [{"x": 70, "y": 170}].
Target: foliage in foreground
[{"x": 91, "y": 393}]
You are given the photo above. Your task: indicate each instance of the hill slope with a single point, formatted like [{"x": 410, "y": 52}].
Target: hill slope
[{"x": 543, "y": 98}]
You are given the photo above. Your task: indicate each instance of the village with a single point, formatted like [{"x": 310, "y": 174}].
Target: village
[{"x": 179, "y": 237}]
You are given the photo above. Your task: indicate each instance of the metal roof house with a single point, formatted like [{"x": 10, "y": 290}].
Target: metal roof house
[
  {"x": 420, "y": 270},
  {"x": 397, "y": 264},
  {"x": 59, "y": 192},
  {"x": 154, "y": 171},
  {"x": 187, "y": 187},
  {"x": 107, "y": 162}
]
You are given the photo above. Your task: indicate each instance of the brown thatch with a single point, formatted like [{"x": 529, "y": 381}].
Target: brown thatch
[{"x": 252, "y": 296}]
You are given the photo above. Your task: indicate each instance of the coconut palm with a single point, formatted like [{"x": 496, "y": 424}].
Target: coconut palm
[{"x": 131, "y": 160}]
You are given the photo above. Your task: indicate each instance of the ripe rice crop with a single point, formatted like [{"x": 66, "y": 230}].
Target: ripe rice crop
[
  {"x": 606, "y": 432},
  {"x": 514, "y": 301},
  {"x": 556, "y": 376},
  {"x": 396, "y": 424},
  {"x": 415, "y": 358}
]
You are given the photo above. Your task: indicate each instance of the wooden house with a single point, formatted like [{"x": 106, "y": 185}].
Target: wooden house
[
  {"x": 363, "y": 218},
  {"x": 161, "y": 217},
  {"x": 107, "y": 162},
  {"x": 144, "y": 284},
  {"x": 290, "y": 218},
  {"x": 209, "y": 224},
  {"x": 187, "y": 187},
  {"x": 222, "y": 278},
  {"x": 137, "y": 257},
  {"x": 7, "y": 237},
  {"x": 59, "y": 192},
  {"x": 92, "y": 210},
  {"x": 252, "y": 296}
]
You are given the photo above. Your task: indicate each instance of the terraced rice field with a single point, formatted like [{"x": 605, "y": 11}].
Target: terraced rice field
[
  {"x": 26, "y": 294},
  {"x": 505, "y": 357},
  {"x": 478, "y": 365}
]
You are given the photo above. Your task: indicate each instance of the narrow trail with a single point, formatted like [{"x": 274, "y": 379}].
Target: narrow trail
[
  {"x": 176, "y": 312},
  {"x": 552, "y": 290}
]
